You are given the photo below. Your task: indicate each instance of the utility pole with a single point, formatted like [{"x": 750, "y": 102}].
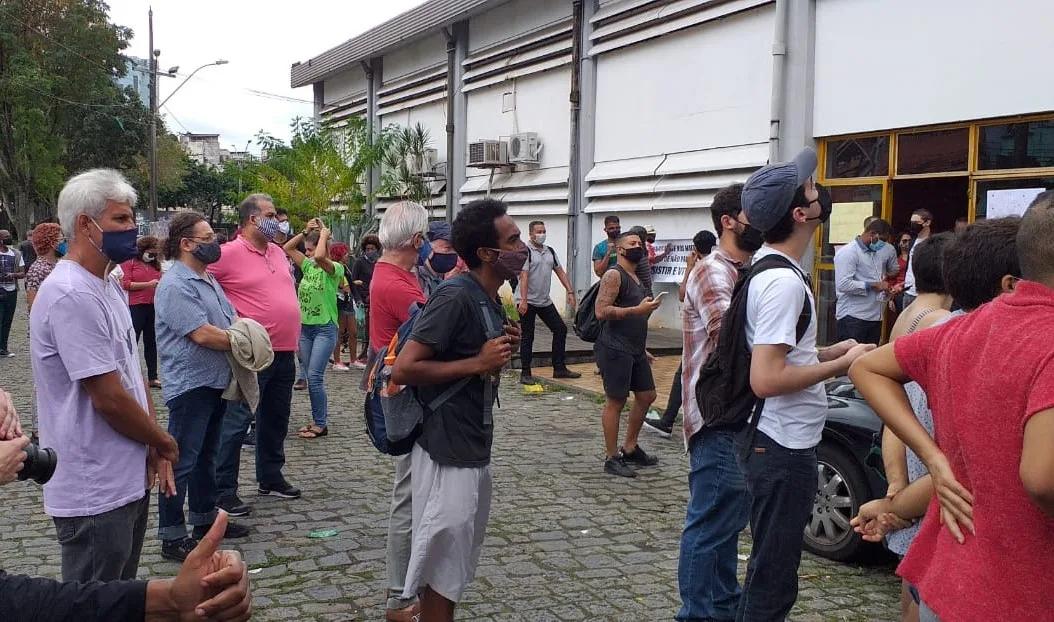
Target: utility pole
[{"x": 153, "y": 122}]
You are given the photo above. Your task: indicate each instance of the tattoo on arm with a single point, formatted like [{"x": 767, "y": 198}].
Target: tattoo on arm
[{"x": 609, "y": 286}]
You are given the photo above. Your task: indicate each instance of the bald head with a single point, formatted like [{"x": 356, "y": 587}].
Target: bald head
[{"x": 1035, "y": 240}]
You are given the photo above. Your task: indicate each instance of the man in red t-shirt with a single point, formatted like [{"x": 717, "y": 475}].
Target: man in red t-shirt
[
  {"x": 989, "y": 379},
  {"x": 393, "y": 289}
]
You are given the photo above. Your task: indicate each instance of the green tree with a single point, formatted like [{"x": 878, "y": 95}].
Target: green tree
[
  {"x": 203, "y": 188},
  {"x": 60, "y": 109},
  {"x": 321, "y": 169}
]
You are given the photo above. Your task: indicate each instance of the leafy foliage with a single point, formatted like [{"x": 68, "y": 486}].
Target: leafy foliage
[{"x": 405, "y": 155}]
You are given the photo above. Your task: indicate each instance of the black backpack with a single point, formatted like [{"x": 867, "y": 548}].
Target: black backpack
[
  {"x": 724, "y": 395},
  {"x": 586, "y": 325},
  {"x": 514, "y": 282}
]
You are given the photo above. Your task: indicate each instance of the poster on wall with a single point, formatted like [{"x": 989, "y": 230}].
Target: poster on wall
[
  {"x": 1012, "y": 202},
  {"x": 847, "y": 220},
  {"x": 671, "y": 268}
]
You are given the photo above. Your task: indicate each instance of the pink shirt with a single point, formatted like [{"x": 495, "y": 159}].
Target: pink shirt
[
  {"x": 135, "y": 271},
  {"x": 260, "y": 287}
]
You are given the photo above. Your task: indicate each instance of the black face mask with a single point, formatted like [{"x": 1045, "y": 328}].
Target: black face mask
[
  {"x": 613, "y": 235},
  {"x": 634, "y": 255},
  {"x": 915, "y": 228},
  {"x": 750, "y": 239}
]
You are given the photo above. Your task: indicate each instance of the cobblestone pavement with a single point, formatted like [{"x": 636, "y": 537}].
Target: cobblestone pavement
[{"x": 565, "y": 542}]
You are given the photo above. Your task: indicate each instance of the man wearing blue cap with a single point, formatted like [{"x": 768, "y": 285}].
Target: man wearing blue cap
[{"x": 778, "y": 459}]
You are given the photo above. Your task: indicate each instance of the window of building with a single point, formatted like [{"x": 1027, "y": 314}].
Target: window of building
[
  {"x": 1016, "y": 145},
  {"x": 941, "y": 151},
  {"x": 858, "y": 157}
]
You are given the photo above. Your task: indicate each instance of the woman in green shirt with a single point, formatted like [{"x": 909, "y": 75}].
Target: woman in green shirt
[{"x": 318, "y": 315}]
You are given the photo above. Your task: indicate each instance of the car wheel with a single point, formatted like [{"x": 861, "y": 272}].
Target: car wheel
[{"x": 841, "y": 488}]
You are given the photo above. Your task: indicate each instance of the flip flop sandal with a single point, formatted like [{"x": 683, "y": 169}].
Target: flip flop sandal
[{"x": 314, "y": 432}]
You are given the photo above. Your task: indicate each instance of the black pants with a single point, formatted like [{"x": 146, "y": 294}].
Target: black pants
[
  {"x": 556, "y": 325},
  {"x": 8, "y": 302},
  {"x": 143, "y": 323},
  {"x": 863, "y": 331},
  {"x": 674, "y": 403}
]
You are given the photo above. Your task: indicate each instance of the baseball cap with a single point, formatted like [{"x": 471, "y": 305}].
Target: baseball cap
[
  {"x": 768, "y": 193},
  {"x": 649, "y": 229},
  {"x": 438, "y": 230}
]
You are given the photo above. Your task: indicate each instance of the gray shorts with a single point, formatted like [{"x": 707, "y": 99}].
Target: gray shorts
[{"x": 451, "y": 506}]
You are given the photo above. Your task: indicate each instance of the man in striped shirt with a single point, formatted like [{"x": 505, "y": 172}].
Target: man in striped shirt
[{"x": 718, "y": 507}]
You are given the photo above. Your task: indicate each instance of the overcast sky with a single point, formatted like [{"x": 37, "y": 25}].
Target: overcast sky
[{"x": 260, "y": 38}]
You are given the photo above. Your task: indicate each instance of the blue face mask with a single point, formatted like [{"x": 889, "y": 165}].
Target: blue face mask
[
  {"x": 876, "y": 246},
  {"x": 443, "y": 262},
  {"x": 61, "y": 249},
  {"x": 118, "y": 246},
  {"x": 424, "y": 252}
]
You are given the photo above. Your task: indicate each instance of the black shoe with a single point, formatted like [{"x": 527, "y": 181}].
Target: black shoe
[
  {"x": 234, "y": 506},
  {"x": 234, "y": 530},
  {"x": 528, "y": 379},
  {"x": 618, "y": 466},
  {"x": 250, "y": 438},
  {"x": 639, "y": 457},
  {"x": 280, "y": 489},
  {"x": 660, "y": 428},
  {"x": 177, "y": 550},
  {"x": 566, "y": 373}
]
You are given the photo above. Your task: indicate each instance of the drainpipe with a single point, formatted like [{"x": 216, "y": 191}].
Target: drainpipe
[
  {"x": 368, "y": 70},
  {"x": 574, "y": 182},
  {"x": 451, "y": 88},
  {"x": 779, "y": 55}
]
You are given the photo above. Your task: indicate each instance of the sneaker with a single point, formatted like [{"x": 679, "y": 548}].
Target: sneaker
[
  {"x": 234, "y": 506},
  {"x": 340, "y": 367},
  {"x": 178, "y": 550},
  {"x": 6, "y": 354},
  {"x": 566, "y": 373},
  {"x": 280, "y": 489},
  {"x": 660, "y": 428},
  {"x": 300, "y": 385},
  {"x": 250, "y": 438},
  {"x": 639, "y": 457},
  {"x": 359, "y": 364},
  {"x": 618, "y": 466},
  {"x": 528, "y": 379},
  {"x": 234, "y": 530}
]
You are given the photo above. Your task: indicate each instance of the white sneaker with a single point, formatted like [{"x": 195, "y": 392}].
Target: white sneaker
[
  {"x": 357, "y": 364},
  {"x": 340, "y": 367}
]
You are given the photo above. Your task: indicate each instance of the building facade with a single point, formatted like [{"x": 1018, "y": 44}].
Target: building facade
[
  {"x": 204, "y": 148},
  {"x": 137, "y": 76},
  {"x": 645, "y": 108}
]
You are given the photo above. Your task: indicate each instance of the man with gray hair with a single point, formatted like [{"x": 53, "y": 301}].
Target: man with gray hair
[
  {"x": 254, "y": 274},
  {"x": 95, "y": 410},
  {"x": 393, "y": 289}
]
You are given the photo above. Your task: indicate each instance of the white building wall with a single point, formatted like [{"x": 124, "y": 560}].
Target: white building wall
[
  {"x": 903, "y": 63},
  {"x": 512, "y": 19},
  {"x": 431, "y": 115},
  {"x": 344, "y": 85},
  {"x": 427, "y": 52}
]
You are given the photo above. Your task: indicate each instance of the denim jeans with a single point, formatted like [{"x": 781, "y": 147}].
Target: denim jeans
[
  {"x": 782, "y": 485},
  {"x": 272, "y": 425},
  {"x": 718, "y": 507},
  {"x": 673, "y": 405},
  {"x": 195, "y": 420},
  {"x": 103, "y": 547},
  {"x": 863, "y": 331},
  {"x": 316, "y": 348}
]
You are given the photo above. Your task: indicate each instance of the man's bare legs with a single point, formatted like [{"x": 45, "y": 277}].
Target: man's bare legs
[
  {"x": 642, "y": 400},
  {"x": 435, "y": 608},
  {"x": 610, "y": 419}
]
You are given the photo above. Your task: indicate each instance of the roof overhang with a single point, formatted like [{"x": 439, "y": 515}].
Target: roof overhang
[{"x": 396, "y": 32}]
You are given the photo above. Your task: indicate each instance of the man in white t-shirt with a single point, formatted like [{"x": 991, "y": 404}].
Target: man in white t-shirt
[
  {"x": 778, "y": 459},
  {"x": 920, "y": 227}
]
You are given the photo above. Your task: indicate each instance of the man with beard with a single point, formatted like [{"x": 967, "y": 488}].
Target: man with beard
[{"x": 605, "y": 253}]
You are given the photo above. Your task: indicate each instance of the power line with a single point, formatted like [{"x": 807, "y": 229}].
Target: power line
[{"x": 178, "y": 122}]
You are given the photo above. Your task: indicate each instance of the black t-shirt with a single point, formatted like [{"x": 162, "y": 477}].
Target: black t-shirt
[
  {"x": 629, "y": 335},
  {"x": 45, "y": 600},
  {"x": 451, "y": 324}
]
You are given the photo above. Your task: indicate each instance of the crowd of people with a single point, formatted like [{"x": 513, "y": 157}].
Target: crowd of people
[{"x": 963, "y": 387}]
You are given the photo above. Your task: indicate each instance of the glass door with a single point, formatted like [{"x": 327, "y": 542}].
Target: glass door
[{"x": 854, "y": 201}]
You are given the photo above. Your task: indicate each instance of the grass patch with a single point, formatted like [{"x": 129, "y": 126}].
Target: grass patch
[{"x": 276, "y": 560}]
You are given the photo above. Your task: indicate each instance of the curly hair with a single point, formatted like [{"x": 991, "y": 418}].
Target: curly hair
[
  {"x": 368, "y": 240},
  {"x": 474, "y": 229},
  {"x": 45, "y": 237},
  {"x": 338, "y": 252}
]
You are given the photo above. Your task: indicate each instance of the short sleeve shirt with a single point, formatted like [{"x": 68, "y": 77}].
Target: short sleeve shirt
[
  {"x": 317, "y": 293},
  {"x": 392, "y": 292},
  {"x": 602, "y": 249},
  {"x": 260, "y": 286},
  {"x": 985, "y": 375},
  {"x": 774, "y": 303},
  {"x": 184, "y": 302},
  {"x": 37, "y": 272},
  {"x": 451, "y": 325},
  {"x": 80, "y": 327},
  {"x": 539, "y": 266},
  {"x": 10, "y": 261}
]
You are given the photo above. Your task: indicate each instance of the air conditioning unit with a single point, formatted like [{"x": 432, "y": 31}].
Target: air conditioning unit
[
  {"x": 488, "y": 153},
  {"x": 524, "y": 148},
  {"x": 424, "y": 164}
]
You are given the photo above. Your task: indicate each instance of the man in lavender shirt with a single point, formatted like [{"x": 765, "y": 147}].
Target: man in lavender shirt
[{"x": 92, "y": 401}]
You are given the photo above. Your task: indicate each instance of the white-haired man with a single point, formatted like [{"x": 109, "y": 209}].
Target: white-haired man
[
  {"x": 95, "y": 409},
  {"x": 393, "y": 289}
]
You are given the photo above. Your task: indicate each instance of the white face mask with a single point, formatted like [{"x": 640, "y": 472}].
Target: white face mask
[
  {"x": 539, "y": 238},
  {"x": 148, "y": 257}
]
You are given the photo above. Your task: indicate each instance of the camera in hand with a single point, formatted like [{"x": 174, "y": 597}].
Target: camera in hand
[{"x": 39, "y": 465}]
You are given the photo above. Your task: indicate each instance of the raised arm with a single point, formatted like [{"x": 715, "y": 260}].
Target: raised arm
[{"x": 321, "y": 255}]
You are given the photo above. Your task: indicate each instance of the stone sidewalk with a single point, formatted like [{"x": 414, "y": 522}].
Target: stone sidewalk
[{"x": 565, "y": 541}]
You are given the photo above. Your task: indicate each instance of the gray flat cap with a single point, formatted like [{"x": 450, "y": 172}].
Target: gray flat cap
[{"x": 768, "y": 192}]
